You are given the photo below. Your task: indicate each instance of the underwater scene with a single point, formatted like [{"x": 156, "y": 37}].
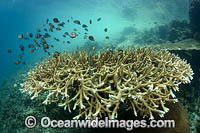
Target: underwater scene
[{"x": 66, "y": 62}]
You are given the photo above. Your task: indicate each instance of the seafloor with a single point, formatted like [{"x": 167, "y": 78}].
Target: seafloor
[{"x": 14, "y": 106}]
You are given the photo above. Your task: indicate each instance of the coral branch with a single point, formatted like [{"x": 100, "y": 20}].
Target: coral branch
[{"x": 97, "y": 84}]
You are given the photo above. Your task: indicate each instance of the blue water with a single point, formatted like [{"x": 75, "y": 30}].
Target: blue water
[{"x": 21, "y": 16}]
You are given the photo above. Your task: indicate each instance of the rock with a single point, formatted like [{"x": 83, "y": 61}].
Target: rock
[{"x": 176, "y": 113}]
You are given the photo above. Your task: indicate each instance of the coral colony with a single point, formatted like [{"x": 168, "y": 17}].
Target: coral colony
[{"x": 142, "y": 79}]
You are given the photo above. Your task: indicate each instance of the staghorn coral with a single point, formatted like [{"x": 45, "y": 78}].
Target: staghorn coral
[{"x": 143, "y": 79}]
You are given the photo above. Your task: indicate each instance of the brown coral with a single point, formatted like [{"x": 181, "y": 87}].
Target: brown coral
[{"x": 142, "y": 79}]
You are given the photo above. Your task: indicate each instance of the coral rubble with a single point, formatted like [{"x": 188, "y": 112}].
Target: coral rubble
[{"x": 140, "y": 79}]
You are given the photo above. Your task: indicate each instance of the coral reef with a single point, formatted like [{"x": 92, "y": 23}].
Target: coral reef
[
  {"x": 194, "y": 15},
  {"x": 176, "y": 30},
  {"x": 195, "y": 18},
  {"x": 139, "y": 79},
  {"x": 187, "y": 44}
]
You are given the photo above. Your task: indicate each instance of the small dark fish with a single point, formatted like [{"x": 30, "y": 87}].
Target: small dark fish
[
  {"x": 56, "y": 39},
  {"x": 38, "y": 30},
  {"x": 9, "y": 51},
  {"x": 58, "y": 29},
  {"x": 45, "y": 46},
  {"x": 47, "y": 21},
  {"x": 20, "y": 36},
  {"x": 84, "y": 26},
  {"x": 24, "y": 63},
  {"x": 26, "y": 38},
  {"x": 68, "y": 42},
  {"x": 51, "y": 27},
  {"x": 66, "y": 33},
  {"x": 55, "y": 20},
  {"x": 17, "y": 62},
  {"x": 90, "y": 21},
  {"x": 107, "y": 37},
  {"x": 31, "y": 35},
  {"x": 73, "y": 35},
  {"x": 61, "y": 24},
  {"x": 91, "y": 38},
  {"x": 105, "y": 29},
  {"x": 98, "y": 19},
  {"x": 27, "y": 33},
  {"x": 45, "y": 29},
  {"x": 21, "y": 47},
  {"x": 36, "y": 48},
  {"x": 86, "y": 29},
  {"x": 46, "y": 35},
  {"x": 52, "y": 46},
  {"x": 48, "y": 53},
  {"x": 43, "y": 41},
  {"x": 68, "y": 20},
  {"x": 30, "y": 46},
  {"x": 36, "y": 43},
  {"x": 77, "y": 22},
  {"x": 30, "y": 50},
  {"x": 38, "y": 35},
  {"x": 75, "y": 29}
]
